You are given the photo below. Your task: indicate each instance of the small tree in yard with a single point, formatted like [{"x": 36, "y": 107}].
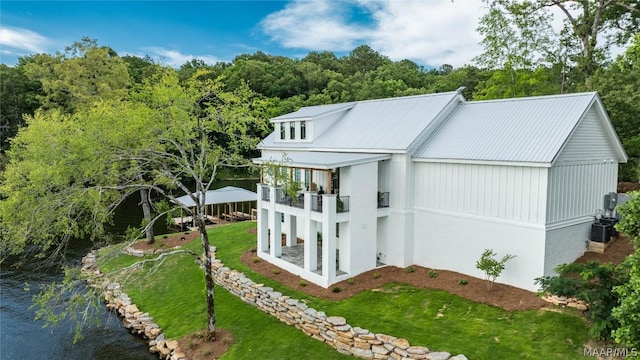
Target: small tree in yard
[{"x": 491, "y": 267}]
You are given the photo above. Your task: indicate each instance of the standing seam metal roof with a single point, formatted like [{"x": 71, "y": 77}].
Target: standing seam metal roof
[
  {"x": 384, "y": 124},
  {"x": 520, "y": 130}
]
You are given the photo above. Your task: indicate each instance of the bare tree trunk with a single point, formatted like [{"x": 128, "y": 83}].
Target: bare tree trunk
[
  {"x": 146, "y": 211},
  {"x": 208, "y": 277}
]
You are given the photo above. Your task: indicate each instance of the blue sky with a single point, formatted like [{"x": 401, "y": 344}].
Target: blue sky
[{"x": 429, "y": 32}]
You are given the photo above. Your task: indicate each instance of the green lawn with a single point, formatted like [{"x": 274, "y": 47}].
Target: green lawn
[{"x": 174, "y": 295}]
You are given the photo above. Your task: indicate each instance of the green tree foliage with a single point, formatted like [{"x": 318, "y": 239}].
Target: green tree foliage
[
  {"x": 75, "y": 78},
  {"x": 590, "y": 27},
  {"x": 627, "y": 313},
  {"x": 618, "y": 86},
  {"x": 140, "y": 68},
  {"x": 18, "y": 96}
]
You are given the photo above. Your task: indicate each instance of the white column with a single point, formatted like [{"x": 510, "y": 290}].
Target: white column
[
  {"x": 329, "y": 237},
  {"x": 263, "y": 222},
  {"x": 275, "y": 238},
  {"x": 291, "y": 230},
  {"x": 310, "y": 237}
]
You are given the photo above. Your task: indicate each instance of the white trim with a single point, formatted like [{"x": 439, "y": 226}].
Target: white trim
[
  {"x": 484, "y": 162},
  {"x": 570, "y": 222},
  {"x": 481, "y": 218},
  {"x": 347, "y": 160}
]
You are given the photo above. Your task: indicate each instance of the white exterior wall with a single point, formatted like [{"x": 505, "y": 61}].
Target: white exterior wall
[
  {"x": 454, "y": 241},
  {"x": 397, "y": 247},
  {"x": 358, "y": 248},
  {"x": 577, "y": 191},
  {"x": 504, "y": 192},
  {"x": 463, "y": 209},
  {"x": 565, "y": 244}
]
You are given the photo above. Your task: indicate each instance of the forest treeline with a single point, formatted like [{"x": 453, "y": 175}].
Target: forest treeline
[{"x": 524, "y": 59}]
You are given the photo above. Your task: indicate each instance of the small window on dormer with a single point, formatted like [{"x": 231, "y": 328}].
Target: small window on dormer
[
  {"x": 292, "y": 130},
  {"x": 303, "y": 130},
  {"x": 282, "y": 131}
]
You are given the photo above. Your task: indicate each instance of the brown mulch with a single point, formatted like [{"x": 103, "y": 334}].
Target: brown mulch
[
  {"x": 617, "y": 250},
  {"x": 196, "y": 346},
  {"x": 501, "y": 295}
]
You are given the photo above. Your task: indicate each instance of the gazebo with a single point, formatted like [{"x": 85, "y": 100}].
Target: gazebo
[{"x": 226, "y": 200}]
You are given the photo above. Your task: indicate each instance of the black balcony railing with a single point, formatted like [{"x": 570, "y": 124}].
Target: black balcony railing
[
  {"x": 316, "y": 203},
  {"x": 383, "y": 199},
  {"x": 283, "y": 198},
  {"x": 265, "y": 193},
  {"x": 342, "y": 204}
]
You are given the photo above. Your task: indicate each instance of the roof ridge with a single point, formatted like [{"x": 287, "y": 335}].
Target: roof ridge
[{"x": 541, "y": 97}]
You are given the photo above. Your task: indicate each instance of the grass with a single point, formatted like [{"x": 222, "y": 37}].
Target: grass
[{"x": 436, "y": 319}]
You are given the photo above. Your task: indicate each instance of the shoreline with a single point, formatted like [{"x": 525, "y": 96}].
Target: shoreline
[{"x": 133, "y": 319}]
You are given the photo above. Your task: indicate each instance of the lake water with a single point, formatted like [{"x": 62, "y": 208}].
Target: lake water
[{"x": 22, "y": 338}]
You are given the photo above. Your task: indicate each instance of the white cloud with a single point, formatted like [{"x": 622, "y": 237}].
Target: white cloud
[
  {"x": 431, "y": 32},
  {"x": 22, "y": 41},
  {"x": 175, "y": 58}
]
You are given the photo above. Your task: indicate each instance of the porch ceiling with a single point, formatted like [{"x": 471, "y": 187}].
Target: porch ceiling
[{"x": 323, "y": 160}]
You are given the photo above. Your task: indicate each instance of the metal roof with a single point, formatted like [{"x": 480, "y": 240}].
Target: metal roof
[
  {"x": 384, "y": 124},
  {"x": 323, "y": 160},
  {"x": 310, "y": 112},
  {"x": 227, "y": 194},
  {"x": 520, "y": 130}
]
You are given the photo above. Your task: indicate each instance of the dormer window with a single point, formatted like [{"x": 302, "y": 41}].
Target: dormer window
[
  {"x": 303, "y": 130},
  {"x": 282, "y": 131},
  {"x": 292, "y": 130}
]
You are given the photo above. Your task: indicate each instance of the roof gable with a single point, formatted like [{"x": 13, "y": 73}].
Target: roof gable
[{"x": 515, "y": 130}]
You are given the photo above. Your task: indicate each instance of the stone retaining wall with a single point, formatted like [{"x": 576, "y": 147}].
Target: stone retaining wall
[
  {"x": 332, "y": 330},
  {"x": 136, "y": 321}
]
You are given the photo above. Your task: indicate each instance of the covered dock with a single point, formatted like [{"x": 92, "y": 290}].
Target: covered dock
[{"x": 227, "y": 204}]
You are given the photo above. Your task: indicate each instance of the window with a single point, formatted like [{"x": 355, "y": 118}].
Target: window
[
  {"x": 281, "y": 131},
  {"x": 292, "y": 130},
  {"x": 303, "y": 130},
  {"x": 297, "y": 175}
]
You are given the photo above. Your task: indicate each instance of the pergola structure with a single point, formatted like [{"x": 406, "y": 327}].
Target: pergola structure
[{"x": 229, "y": 196}]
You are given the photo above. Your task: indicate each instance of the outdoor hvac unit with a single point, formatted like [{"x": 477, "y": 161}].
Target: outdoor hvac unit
[
  {"x": 600, "y": 232},
  {"x": 610, "y": 201}
]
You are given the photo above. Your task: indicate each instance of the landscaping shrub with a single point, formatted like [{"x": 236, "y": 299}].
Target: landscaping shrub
[
  {"x": 432, "y": 273},
  {"x": 462, "y": 282},
  {"x": 491, "y": 267},
  {"x": 411, "y": 269},
  {"x": 593, "y": 283},
  {"x": 351, "y": 281},
  {"x": 376, "y": 275}
]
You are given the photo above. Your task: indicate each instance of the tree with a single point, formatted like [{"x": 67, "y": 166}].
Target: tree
[
  {"x": 492, "y": 267},
  {"x": 590, "y": 27},
  {"x": 627, "y": 313},
  {"x": 172, "y": 136},
  {"x": 618, "y": 86},
  {"x": 18, "y": 96},
  {"x": 75, "y": 78}
]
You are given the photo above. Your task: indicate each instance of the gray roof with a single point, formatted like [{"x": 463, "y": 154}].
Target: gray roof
[
  {"x": 519, "y": 130},
  {"x": 310, "y": 112},
  {"x": 324, "y": 160},
  {"x": 227, "y": 194},
  {"x": 373, "y": 125}
]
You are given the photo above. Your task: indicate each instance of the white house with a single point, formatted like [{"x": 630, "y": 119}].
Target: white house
[{"x": 433, "y": 180}]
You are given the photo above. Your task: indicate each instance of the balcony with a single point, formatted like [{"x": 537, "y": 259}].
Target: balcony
[
  {"x": 383, "y": 200},
  {"x": 285, "y": 199},
  {"x": 265, "y": 194}
]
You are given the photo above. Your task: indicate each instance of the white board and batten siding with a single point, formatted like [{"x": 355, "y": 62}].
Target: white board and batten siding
[
  {"x": 585, "y": 169},
  {"x": 511, "y": 193}
]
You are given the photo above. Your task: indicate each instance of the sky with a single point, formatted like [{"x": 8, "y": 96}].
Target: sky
[{"x": 428, "y": 32}]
